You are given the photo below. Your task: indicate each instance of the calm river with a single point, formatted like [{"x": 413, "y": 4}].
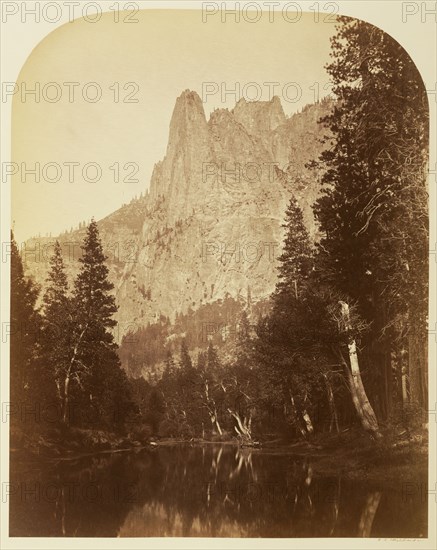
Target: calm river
[{"x": 206, "y": 491}]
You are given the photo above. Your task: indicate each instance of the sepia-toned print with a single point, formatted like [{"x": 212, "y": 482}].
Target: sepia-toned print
[{"x": 219, "y": 290}]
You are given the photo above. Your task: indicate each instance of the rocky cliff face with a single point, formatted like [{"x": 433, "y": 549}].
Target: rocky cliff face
[{"x": 210, "y": 224}]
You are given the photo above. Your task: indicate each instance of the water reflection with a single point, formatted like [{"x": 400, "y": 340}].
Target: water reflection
[
  {"x": 368, "y": 514},
  {"x": 220, "y": 491}
]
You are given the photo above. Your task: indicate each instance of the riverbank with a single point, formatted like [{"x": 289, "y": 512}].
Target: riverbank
[
  {"x": 355, "y": 456},
  {"x": 350, "y": 454},
  {"x": 70, "y": 443}
]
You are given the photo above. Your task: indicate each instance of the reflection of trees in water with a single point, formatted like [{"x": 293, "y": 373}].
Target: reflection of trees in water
[
  {"x": 368, "y": 514},
  {"x": 243, "y": 458},
  {"x": 193, "y": 491},
  {"x": 89, "y": 497}
]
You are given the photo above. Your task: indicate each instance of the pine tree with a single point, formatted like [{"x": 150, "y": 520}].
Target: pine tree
[
  {"x": 58, "y": 329},
  {"x": 92, "y": 288},
  {"x": 290, "y": 343},
  {"x": 185, "y": 359},
  {"x": 26, "y": 384},
  {"x": 155, "y": 410},
  {"x": 105, "y": 390},
  {"x": 373, "y": 211},
  {"x": 169, "y": 364},
  {"x": 244, "y": 329},
  {"x": 189, "y": 390},
  {"x": 296, "y": 260},
  {"x": 244, "y": 342},
  {"x": 213, "y": 361},
  {"x": 201, "y": 360}
]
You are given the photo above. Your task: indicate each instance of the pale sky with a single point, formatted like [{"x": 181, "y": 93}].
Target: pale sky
[{"x": 164, "y": 54}]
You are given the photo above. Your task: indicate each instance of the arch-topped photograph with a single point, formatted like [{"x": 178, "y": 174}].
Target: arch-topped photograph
[{"x": 219, "y": 279}]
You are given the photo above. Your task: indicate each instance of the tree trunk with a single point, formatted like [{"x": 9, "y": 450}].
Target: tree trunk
[
  {"x": 404, "y": 387},
  {"x": 363, "y": 407},
  {"x": 243, "y": 428},
  {"x": 218, "y": 425},
  {"x": 308, "y": 423},
  {"x": 65, "y": 417},
  {"x": 296, "y": 417},
  {"x": 417, "y": 365},
  {"x": 212, "y": 409},
  {"x": 382, "y": 357},
  {"x": 331, "y": 401}
]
